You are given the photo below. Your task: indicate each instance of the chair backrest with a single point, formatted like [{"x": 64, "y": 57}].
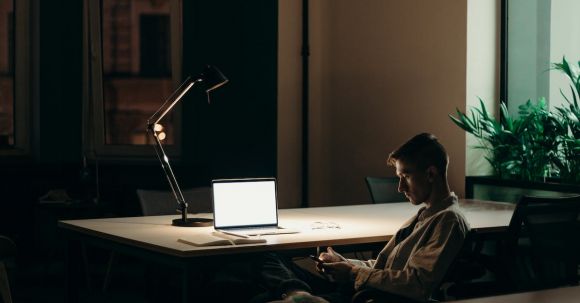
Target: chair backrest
[
  {"x": 157, "y": 202},
  {"x": 384, "y": 189},
  {"x": 465, "y": 268},
  {"x": 551, "y": 227}
]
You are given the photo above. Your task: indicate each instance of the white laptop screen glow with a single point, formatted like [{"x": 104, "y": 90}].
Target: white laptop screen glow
[{"x": 245, "y": 203}]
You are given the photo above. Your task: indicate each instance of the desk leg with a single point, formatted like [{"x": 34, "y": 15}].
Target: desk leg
[
  {"x": 73, "y": 270},
  {"x": 186, "y": 284}
]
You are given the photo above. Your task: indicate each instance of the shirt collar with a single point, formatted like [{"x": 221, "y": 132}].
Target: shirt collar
[{"x": 425, "y": 213}]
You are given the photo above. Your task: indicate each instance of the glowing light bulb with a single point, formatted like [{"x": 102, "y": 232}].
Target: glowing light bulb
[
  {"x": 158, "y": 127},
  {"x": 161, "y": 136}
]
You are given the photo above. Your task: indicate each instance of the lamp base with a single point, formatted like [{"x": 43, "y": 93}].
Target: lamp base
[{"x": 192, "y": 222}]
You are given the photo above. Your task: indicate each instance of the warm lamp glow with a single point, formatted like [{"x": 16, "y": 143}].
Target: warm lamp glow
[
  {"x": 161, "y": 136},
  {"x": 158, "y": 127}
]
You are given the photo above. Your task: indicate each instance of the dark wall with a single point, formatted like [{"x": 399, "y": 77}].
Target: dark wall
[
  {"x": 235, "y": 136},
  {"x": 54, "y": 159},
  {"x": 57, "y": 137}
]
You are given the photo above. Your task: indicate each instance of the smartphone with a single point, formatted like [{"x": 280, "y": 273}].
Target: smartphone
[{"x": 316, "y": 259}]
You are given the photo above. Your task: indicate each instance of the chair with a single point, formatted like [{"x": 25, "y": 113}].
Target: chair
[
  {"x": 158, "y": 202},
  {"x": 462, "y": 276},
  {"x": 7, "y": 253},
  {"x": 553, "y": 228},
  {"x": 384, "y": 189},
  {"x": 541, "y": 247}
]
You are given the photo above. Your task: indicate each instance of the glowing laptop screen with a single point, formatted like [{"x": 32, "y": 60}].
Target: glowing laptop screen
[{"x": 244, "y": 202}]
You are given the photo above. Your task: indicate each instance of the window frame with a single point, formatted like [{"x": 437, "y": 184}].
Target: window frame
[
  {"x": 94, "y": 141},
  {"x": 503, "y": 72},
  {"x": 22, "y": 82}
]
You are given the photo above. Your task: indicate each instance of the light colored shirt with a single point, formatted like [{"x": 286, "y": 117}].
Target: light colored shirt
[{"x": 415, "y": 266}]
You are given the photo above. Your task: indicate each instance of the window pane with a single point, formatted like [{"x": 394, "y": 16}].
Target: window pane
[
  {"x": 6, "y": 74},
  {"x": 540, "y": 33},
  {"x": 136, "y": 68}
]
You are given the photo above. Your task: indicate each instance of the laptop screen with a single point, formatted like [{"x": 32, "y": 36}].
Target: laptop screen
[{"x": 244, "y": 202}]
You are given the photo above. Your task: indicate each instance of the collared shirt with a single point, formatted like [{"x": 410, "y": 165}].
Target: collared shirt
[{"x": 415, "y": 260}]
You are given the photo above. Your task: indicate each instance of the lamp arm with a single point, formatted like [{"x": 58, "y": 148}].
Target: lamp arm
[
  {"x": 164, "y": 160},
  {"x": 165, "y": 108},
  {"x": 171, "y": 101}
]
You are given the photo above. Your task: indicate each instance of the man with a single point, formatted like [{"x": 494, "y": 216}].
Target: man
[{"x": 415, "y": 260}]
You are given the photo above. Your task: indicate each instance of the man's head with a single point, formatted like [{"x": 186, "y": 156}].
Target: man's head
[{"x": 421, "y": 164}]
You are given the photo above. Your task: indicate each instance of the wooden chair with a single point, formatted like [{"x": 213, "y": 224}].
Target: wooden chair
[
  {"x": 7, "y": 253},
  {"x": 384, "y": 189}
]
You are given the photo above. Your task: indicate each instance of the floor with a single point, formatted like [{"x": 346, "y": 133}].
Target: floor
[{"x": 44, "y": 282}]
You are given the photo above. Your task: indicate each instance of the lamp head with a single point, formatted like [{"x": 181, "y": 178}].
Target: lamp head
[{"x": 211, "y": 78}]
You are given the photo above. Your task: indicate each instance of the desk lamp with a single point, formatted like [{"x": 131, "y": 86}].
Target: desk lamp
[{"x": 210, "y": 78}]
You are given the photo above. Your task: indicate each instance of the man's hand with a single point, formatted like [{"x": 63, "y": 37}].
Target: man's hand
[
  {"x": 339, "y": 271},
  {"x": 330, "y": 256}
]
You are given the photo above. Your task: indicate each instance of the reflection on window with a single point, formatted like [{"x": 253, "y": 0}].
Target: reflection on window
[
  {"x": 136, "y": 68},
  {"x": 6, "y": 74}
]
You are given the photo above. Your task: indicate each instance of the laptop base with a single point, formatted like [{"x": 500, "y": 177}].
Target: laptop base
[
  {"x": 266, "y": 231},
  {"x": 192, "y": 222}
]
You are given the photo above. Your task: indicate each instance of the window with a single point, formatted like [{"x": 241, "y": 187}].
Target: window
[
  {"x": 6, "y": 74},
  {"x": 538, "y": 33},
  {"x": 14, "y": 103},
  {"x": 134, "y": 66}
]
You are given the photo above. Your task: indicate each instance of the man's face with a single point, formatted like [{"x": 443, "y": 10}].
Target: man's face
[{"x": 413, "y": 182}]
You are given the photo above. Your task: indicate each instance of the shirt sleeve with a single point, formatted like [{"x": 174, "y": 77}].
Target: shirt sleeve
[
  {"x": 368, "y": 263},
  {"x": 425, "y": 267}
]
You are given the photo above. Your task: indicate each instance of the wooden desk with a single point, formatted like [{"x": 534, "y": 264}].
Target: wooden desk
[
  {"x": 155, "y": 239},
  {"x": 560, "y": 295}
]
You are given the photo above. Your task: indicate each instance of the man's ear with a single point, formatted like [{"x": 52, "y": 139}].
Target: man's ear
[{"x": 432, "y": 173}]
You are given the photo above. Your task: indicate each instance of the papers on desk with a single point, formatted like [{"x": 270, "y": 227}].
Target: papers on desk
[{"x": 218, "y": 239}]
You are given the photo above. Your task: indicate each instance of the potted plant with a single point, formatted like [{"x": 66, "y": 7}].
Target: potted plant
[
  {"x": 525, "y": 148},
  {"x": 536, "y": 145}
]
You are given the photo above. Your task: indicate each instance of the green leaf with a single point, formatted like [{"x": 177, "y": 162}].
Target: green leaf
[
  {"x": 460, "y": 124},
  {"x": 506, "y": 117},
  {"x": 483, "y": 110}
]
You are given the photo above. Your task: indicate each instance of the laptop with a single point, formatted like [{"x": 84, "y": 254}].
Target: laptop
[{"x": 246, "y": 207}]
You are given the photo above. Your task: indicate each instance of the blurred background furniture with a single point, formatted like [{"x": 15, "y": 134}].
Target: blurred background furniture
[
  {"x": 159, "y": 202},
  {"x": 384, "y": 189},
  {"x": 540, "y": 250},
  {"x": 7, "y": 254},
  {"x": 553, "y": 228},
  {"x": 510, "y": 190}
]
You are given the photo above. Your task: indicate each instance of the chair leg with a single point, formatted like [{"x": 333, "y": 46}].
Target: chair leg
[
  {"x": 4, "y": 285},
  {"x": 107, "y": 278}
]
